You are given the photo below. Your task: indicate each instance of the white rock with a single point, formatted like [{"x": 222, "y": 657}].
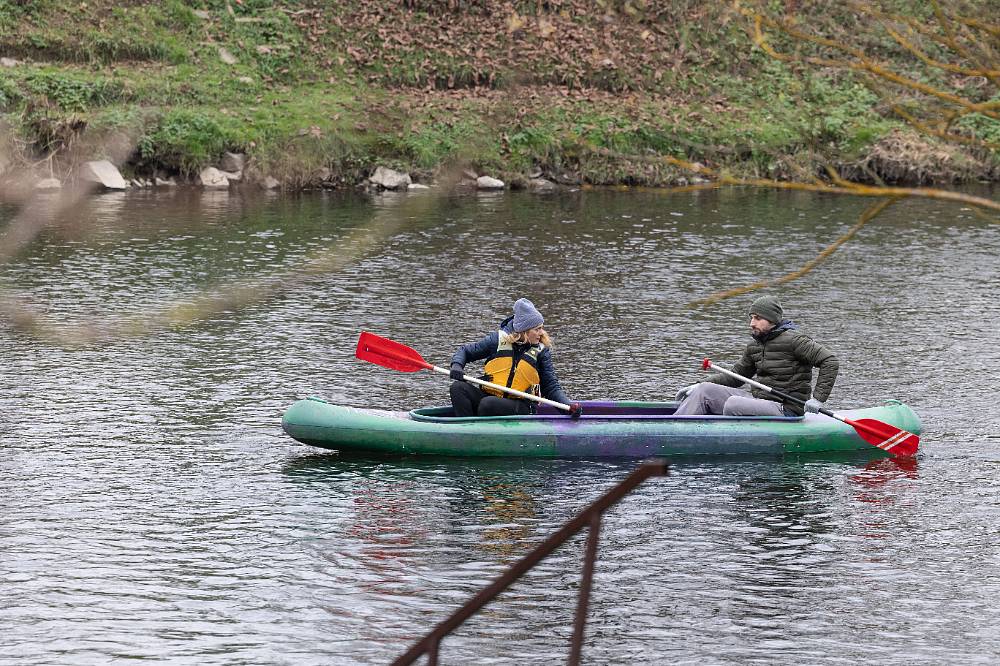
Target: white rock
[
  {"x": 417, "y": 186},
  {"x": 164, "y": 182},
  {"x": 389, "y": 179},
  {"x": 270, "y": 183},
  {"x": 213, "y": 179},
  {"x": 103, "y": 173},
  {"x": 9, "y": 62},
  {"x": 488, "y": 183}
]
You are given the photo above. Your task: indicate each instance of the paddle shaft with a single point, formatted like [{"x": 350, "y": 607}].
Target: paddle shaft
[
  {"x": 887, "y": 437},
  {"x": 505, "y": 389},
  {"x": 397, "y": 356},
  {"x": 784, "y": 396}
]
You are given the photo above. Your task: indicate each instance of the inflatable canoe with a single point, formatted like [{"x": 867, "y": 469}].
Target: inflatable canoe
[{"x": 607, "y": 429}]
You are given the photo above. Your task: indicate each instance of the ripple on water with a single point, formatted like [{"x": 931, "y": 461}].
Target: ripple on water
[{"x": 154, "y": 509}]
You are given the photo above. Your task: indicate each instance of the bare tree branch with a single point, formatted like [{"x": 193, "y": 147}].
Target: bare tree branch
[{"x": 866, "y": 217}]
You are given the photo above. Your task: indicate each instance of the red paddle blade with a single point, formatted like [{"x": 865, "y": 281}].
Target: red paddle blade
[
  {"x": 389, "y": 353},
  {"x": 889, "y": 438}
]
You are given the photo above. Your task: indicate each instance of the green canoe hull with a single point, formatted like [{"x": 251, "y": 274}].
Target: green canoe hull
[{"x": 607, "y": 429}]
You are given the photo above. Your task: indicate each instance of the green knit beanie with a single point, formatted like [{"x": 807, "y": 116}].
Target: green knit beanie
[{"x": 769, "y": 308}]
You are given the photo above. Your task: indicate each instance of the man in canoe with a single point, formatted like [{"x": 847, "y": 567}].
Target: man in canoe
[
  {"x": 781, "y": 357},
  {"x": 518, "y": 355}
]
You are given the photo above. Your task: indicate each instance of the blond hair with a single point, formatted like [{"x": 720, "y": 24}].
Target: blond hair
[{"x": 522, "y": 338}]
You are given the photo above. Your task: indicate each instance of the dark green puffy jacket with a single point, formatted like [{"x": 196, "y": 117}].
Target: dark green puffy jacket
[{"x": 783, "y": 358}]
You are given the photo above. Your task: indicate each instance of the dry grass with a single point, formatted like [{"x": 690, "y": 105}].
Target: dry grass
[{"x": 908, "y": 158}]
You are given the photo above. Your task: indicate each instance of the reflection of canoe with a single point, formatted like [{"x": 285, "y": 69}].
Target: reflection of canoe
[{"x": 607, "y": 429}]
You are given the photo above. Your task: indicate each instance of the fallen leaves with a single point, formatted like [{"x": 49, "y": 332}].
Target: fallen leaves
[{"x": 568, "y": 43}]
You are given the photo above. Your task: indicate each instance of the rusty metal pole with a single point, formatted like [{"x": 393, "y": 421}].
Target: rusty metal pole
[
  {"x": 429, "y": 644},
  {"x": 586, "y": 580}
]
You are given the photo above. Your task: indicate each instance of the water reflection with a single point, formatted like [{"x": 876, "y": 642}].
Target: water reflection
[
  {"x": 400, "y": 500},
  {"x": 786, "y": 514},
  {"x": 878, "y": 482},
  {"x": 341, "y": 560},
  {"x": 882, "y": 488},
  {"x": 514, "y": 512},
  {"x": 784, "y": 505}
]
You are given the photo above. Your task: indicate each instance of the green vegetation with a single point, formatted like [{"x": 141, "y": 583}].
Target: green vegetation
[{"x": 324, "y": 91}]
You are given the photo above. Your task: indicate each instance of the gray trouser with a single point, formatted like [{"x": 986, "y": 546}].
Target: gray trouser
[{"x": 709, "y": 398}]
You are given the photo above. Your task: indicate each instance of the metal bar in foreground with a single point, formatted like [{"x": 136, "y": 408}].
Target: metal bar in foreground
[{"x": 429, "y": 644}]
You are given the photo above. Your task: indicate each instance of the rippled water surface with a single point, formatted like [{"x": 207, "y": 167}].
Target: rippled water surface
[{"x": 154, "y": 510}]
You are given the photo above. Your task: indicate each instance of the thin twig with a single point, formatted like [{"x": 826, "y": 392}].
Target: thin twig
[{"x": 866, "y": 217}]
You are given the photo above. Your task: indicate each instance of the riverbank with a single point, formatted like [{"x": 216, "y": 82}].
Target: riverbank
[{"x": 317, "y": 96}]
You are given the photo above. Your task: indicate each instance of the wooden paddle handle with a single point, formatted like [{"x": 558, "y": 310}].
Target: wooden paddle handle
[{"x": 507, "y": 389}]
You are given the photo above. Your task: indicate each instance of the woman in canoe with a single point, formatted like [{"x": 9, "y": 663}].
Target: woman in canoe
[{"x": 518, "y": 356}]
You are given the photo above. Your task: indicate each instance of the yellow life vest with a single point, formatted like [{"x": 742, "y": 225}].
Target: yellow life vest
[{"x": 522, "y": 377}]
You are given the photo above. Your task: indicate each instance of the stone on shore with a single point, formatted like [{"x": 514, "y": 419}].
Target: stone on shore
[
  {"x": 390, "y": 180},
  {"x": 103, "y": 173},
  {"x": 213, "y": 179},
  {"x": 541, "y": 185},
  {"x": 489, "y": 183}
]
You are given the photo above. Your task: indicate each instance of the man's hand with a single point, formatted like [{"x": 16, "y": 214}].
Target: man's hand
[
  {"x": 575, "y": 410},
  {"x": 813, "y": 405},
  {"x": 457, "y": 373}
]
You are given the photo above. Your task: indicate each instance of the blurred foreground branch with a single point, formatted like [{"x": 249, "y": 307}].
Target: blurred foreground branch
[
  {"x": 960, "y": 81},
  {"x": 27, "y": 317},
  {"x": 866, "y": 217}
]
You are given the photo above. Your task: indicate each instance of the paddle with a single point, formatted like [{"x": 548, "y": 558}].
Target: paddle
[
  {"x": 887, "y": 437},
  {"x": 397, "y": 356}
]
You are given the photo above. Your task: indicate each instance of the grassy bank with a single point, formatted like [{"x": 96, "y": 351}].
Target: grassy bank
[{"x": 319, "y": 93}]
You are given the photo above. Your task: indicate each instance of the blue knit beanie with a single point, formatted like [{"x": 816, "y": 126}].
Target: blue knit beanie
[{"x": 525, "y": 315}]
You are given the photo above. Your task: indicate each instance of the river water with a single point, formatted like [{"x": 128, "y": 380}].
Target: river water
[{"x": 154, "y": 510}]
